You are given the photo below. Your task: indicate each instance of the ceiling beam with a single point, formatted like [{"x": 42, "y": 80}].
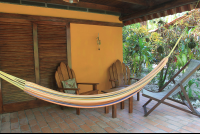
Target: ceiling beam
[
  {"x": 159, "y": 8},
  {"x": 81, "y": 4},
  {"x": 137, "y": 2}
]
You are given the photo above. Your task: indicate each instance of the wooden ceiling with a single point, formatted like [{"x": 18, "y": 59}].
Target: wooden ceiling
[{"x": 129, "y": 9}]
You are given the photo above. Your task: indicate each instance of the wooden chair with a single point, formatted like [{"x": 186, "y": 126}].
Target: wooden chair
[
  {"x": 160, "y": 96},
  {"x": 64, "y": 73},
  {"x": 120, "y": 78}
]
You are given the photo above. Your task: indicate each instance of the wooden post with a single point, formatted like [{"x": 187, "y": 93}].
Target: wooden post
[
  {"x": 131, "y": 104},
  {"x": 114, "y": 110},
  {"x": 122, "y": 105},
  {"x": 69, "y": 60},
  {"x": 106, "y": 109},
  {"x": 36, "y": 54},
  {"x": 1, "y": 99}
]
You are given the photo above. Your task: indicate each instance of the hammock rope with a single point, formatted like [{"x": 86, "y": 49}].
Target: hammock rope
[{"x": 85, "y": 101}]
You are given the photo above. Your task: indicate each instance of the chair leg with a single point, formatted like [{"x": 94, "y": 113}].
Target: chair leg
[
  {"x": 138, "y": 96},
  {"x": 78, "y": 111},
  {"x": 151, "y": 110},
  {"x": 62, "y": 107},
  {"x": 131, "y": 104},
  {"x": 107, "y": 110},
  {"x": 122, "y": 105},
  {"x": 114, "y": 110}
]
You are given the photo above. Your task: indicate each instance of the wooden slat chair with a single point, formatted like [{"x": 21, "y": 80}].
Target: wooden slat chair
[
  {"x": 64, "y": 73},
  {"x": 120, "y": 76},
  {"x": 160, "y": 96}
]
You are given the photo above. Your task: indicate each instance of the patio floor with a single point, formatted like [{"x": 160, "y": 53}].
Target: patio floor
[{"x": 51, "y": 119}]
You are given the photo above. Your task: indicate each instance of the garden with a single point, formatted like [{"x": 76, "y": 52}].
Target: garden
[{"x": 143, "y": 50}]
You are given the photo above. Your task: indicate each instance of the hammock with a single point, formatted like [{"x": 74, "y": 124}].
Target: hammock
[{"x": 84, "y": 101}]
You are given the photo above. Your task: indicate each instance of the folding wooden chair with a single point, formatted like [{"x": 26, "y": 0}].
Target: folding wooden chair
[{"x": 160, "y": 96}]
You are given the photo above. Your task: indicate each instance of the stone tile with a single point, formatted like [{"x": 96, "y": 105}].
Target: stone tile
[
  {"x": 5, "y": 119},
  {"x": 79, "y": 131},
  {"x": 121, "y": 130},
  {"x": 32, "y": 122},
  {"x": 68, "y": 120},
  {"x": 63, "y": 126},
  {"x": 125, "y": 125},
  {"x": 16, "y": 131},
  {"x": 14, "y": 115},
  {"x": 86, "y": 128},
  {"x": 13, "y": 120},
  {"x": 24, "y": 128},
  {"x": 191, "y": 129},
  {"x": 164, "y": 128},
  {"x": 46, "y": 130},
  {"x": 112, "y": 124},
  {"x": 45, "y": 113},
  {"x": 5, "y": 131},
  {"x": 52, "y": 125},
  {"x": 68, "y": 131},
  {"x": 58, "y": 119},
  {"x": 48, "y": 119},
  {"x": 35, "y": 129},
  {"x": 22, "y": 116},
  {"x": 57, "y": 130},
  {"x": 5, "y": 125},
  {"x": 98, "y": 129},
  {"x": 89, "y": 123},
  {"x": 110, "y": 130},
  {"x": 14, "y": 125},
  {"x": 74, "y": 127},
  {"x": 79, "y": 121},
  {"x": 23, "y": 121},
  {"x": 39, "y": 117},
  {"x": 54, "y": 114},
  {"x": 72, "y": 116},
  {"x": 42, "y": 123}
]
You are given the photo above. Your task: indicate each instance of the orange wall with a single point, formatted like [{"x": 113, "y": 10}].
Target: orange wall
[
  {"x": 42, "y": 11},
  {"x": 89, "y": 63}
]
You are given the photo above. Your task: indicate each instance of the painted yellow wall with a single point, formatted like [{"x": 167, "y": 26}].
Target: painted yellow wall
[
  {"x": 89, "y": 63},
  {"x": 42, "y": 11}
]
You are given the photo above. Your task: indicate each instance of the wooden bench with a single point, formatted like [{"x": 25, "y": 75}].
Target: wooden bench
[{"x": 120, "y": 78}]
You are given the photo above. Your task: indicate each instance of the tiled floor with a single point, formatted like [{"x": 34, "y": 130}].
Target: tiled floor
[{"x": 52, "y": 119}]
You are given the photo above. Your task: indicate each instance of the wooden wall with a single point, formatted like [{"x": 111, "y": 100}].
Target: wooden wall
[
  {"x": 31, "y": 51},
  {"x": 31, "y": 47}
]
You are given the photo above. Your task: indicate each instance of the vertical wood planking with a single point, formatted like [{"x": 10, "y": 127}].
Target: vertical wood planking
[
  {"x": 16, "y": 58},
  {"x": 52, "y": 51},
  {"x": 69, "y": 60},
  {"x": 1, "y": 99},
  {"x": 112, "y": 77},
  {"x": 119, "y": 72},
  {"x": 36, "y": 53}
]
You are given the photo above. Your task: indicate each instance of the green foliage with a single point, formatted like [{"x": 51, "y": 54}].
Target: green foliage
[
  {"x": 136, "y": 49},
  {"x": 189, "y": 90}
]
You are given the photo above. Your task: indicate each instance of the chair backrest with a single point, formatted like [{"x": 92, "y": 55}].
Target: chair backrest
[
  {"x": 189, "y": 72},
  {"x": 120, "y": 72},
  {"x": 63, "y": 73}
]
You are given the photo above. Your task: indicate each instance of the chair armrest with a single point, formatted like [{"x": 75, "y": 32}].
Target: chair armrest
[
  {"x": 94, "y": 85},
  {"x": 62, "y": 89},
  {"x": 90, "y": 92},
  {"x": 88, "y": 83},
  {"x": 113, "y": 80},
  {"x": 135, "y": 79}
]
